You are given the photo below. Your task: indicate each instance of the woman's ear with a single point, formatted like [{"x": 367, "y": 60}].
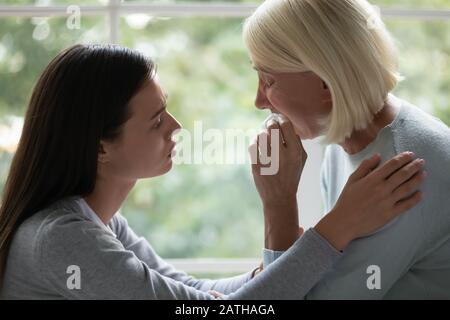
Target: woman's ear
[
  {"x": 102, "y": 154},
  {"x": 326, "y": 97}
]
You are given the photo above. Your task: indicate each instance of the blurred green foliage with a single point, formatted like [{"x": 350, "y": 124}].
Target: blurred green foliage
[{"x": 204, "y": 211}]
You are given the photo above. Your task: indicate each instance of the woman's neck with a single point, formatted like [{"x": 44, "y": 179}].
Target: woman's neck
[
  {"x": 108, "y": 196},
  {"x": 362, "y": 138}
]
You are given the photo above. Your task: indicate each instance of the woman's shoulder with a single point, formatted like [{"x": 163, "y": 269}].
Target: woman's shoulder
[
  {"x": 53, "y": 228},
  {"x": 420, "y": 132},
  {"x": 61, "y": 219},
  {"x": 419, "y": 124},
  {"x": 425, "y": 135}
]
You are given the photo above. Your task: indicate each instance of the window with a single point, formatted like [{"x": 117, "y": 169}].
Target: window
[{"x": 199, "y": 211}]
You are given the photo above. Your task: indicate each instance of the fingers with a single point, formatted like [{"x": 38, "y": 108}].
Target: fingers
[
  {"x": 263, "y": 143},
  {"x": 274, "y": 121},
  {"x": 301, "y": 231},
  {"x": 407, "y": 188},
  {"x": 260, "y": 150},
  {"x": 273, "y": 129},
  {"x": 288, "y": 133},
  {"x": 366, "y": 167},
  {"x": 215, "y": 293},
  {"x": 393, "y": 165},
  {"x": 278, "y": 131},
  {"x": 266, "y": 138},
  {"x": 405, "y": 205},
  {"x": 405, "y": 174},
  {"x": 288, "y": 139}
]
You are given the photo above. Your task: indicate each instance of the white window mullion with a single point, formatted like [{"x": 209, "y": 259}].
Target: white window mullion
[
  {"x": 215, "y": 266},
  {"x": 114, "y": 21},
  {"x": 47, "y": 11},
  {"x": 190, "y": 9}
]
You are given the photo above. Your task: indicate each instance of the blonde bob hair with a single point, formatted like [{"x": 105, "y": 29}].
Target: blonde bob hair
[{"x": 344, "y": 42}]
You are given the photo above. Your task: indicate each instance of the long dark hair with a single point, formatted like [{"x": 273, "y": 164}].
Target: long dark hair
[{"x": 81, "y": 97}]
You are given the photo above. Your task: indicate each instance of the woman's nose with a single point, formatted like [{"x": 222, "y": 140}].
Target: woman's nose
[
  {"x": 178, "y": 125},
  {"x": 261, "y": 101},
  {"x": 174, "y": 126}
]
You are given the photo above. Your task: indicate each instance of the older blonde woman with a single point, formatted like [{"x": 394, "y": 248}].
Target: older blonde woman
[{"x": 327, "y": 67}]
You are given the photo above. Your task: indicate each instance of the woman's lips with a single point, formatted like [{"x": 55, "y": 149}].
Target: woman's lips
[{"x": 173, "y": 151}]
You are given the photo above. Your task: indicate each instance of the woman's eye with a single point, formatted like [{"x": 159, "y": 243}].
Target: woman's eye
[
  {"x": 266, "y": 82},
  {"x": 159, "y": 121},
  {"x": 269, "y": 83}
]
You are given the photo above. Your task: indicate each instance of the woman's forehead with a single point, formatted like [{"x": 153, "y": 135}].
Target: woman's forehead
[{"x": 148, "y": 99}]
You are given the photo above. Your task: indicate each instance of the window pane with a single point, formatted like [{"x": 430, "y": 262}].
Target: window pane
[
  {"x": 412, "y": 4},
  {"x": 26, "y": 47},
  {"x": 424, "y": 49}
]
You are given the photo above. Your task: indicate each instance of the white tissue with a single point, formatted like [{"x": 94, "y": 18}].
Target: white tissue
[{"x": 278, "y": 117}]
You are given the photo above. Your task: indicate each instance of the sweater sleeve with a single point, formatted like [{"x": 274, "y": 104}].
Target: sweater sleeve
[
  {"x": 294, "y": 273},
  {"x": 270, "y": 256},
  {"x": 144, "y": 251},
  {"x": 80, "y": 260}
]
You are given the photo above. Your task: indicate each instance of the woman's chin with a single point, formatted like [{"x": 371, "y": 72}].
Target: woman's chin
[{"x": 165, "y": 168}]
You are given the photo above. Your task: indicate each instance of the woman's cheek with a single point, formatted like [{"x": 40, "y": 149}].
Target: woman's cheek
[{"x": 156, "y": 148}]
